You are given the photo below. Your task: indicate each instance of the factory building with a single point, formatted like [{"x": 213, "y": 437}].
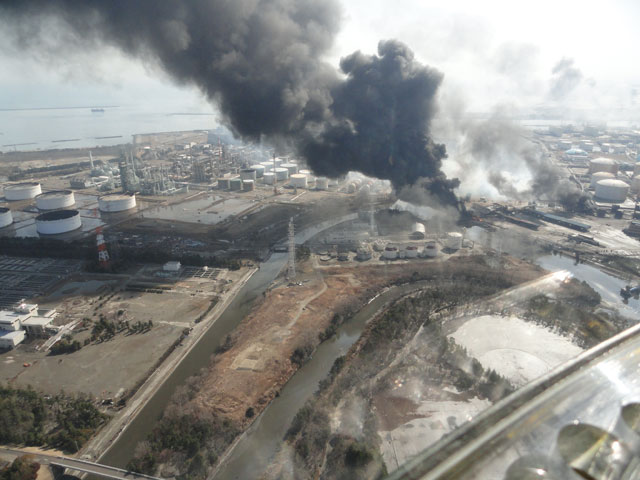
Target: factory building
[
  {"x": 602, "y": 164},
  {"x": 58, "y": 221},
  {"x": 22, "y": 191},
  {"x": 55, "y": 200},
  {"x": 611, "y": 190},
  {"x": 10, "y": 340},
  {"x": 23, "y": 319},
  {"x": 6, "y": 218}
]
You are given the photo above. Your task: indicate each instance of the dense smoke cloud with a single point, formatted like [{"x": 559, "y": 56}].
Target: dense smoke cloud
[{"x": 259, "y": 62}]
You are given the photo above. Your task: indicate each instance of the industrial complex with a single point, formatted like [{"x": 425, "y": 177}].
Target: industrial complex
[{"x": 119, "y": 265}]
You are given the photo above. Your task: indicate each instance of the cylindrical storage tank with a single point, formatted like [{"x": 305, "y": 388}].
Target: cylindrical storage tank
[
  {"x": 248, "y": 174},
  {"x": 352, "y": 188},
  {"x": 223, "y": 184},
  {"x": 411, "y": 252},
  {"x": 596, "y": 177},
  {"x": 602, "y": 164},
  {"x": 6, "y": 218},
  {"x": 259, "y": 169},
  {"x": 116, "y": 203},
  {"x": 611, "y": 190},
  {"x": 55, "y": 200},
  {"x": 58, "y": 221},
  {"x": 22, "y": 191},
  {"x": 247, "y": 185},
  {"x": 636, "y": 169},
  {"x": 390, "y": 253},
  {"x": 291, "y": 167},
  {"x": 635, "y": 185},
  {"x": 268, "y": 166},
  {"x": 431, "y": 249},
  {"x": 417, "y": 230},
  {"x": 310, "y": 177},
  {"x": 269, "y": 178},
  {"x": 322, "y": 183},
  {"x": 281, "y": 174},
  {"x": 299, "y": 180},
  {"x": 454, "y": 241},
  {"x": 278, "y": 162},
  {"x": 235, "y": 184}
]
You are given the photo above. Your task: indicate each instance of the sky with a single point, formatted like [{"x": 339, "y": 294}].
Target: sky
[{"x": 494, "y": 54}]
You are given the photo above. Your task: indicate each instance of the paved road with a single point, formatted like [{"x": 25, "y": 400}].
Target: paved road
[{"x": 80, "y": 465}]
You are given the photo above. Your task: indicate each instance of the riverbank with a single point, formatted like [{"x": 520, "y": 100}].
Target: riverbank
[{"x": 99, "y": 445}]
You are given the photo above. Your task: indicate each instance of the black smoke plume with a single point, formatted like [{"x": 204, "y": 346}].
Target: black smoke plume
[{"x": 260, "y": 62}]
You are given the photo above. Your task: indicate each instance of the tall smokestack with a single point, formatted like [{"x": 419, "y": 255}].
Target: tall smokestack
[{"x": 258, "y": 61}]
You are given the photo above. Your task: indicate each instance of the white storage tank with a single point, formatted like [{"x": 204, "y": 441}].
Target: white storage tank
[
  {"x": 596, "y": 177},
  {"x": 418, "y": 231},
  {"x": 291, "y": 168},
  {"x": 235, "y": 184},
  {"x": 411, "y": 251},
  {"x": 454, "y": 241},
  {"x": 268, "y": 166},
  {"x": 55, "y": 200},
  {"x": 223, "y": 184},
  {"x": 281, "y": 174},
  {"x": 22, "y": 191},
  {"x": 6, "y": 218},
  {"x": 116, "y": 202},
  {"x": 259, "y": 169},
  {"x": 58, "y": 221},
  {"x": 602, "y": 164},
  {"x": 635, "y": 185},
  {"x": 611, "y": 190},
  {"x": 247, "y": 185},
  {"x": 390, "y": 253},
  {"x": 431, "y": 249},
  {"x": 299, "y": 180},
  {"x": 269, "y": 178},
  {"x": 248, "y": 174},
  {"x": 322, "y": 183}
]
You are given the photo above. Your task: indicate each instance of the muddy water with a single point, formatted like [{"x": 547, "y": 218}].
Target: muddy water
[{"x": 256, "y": 448}]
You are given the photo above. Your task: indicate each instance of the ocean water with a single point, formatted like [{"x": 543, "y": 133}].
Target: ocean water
[{"x": 80, "y": 127}]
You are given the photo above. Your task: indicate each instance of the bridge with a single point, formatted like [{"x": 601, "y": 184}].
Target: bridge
[{"x": 80, "y": 465}]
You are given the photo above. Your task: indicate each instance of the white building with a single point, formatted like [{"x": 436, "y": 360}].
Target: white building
[
  {"x": 11, "y": 321},
  {"x": 172, "y": 266},
  {"x": 9, "y": 340}
]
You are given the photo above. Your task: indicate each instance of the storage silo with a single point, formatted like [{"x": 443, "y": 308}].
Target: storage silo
[
  {"x": 268, "y": 166},
  {"x": 596, "y": 177},
  {"x": 259, "y": 169},
  {"x": 454, "y": 241},
  {"x": 269, "y": 178},
  {"x": 55, "y": 200},
  {"x": 299, "y": 180},
  {"x": 6, "y": 218},
  {"x": 390, "y": 253},
  {"x": 417, "y": 231},
  {"x": 322, "y": 183},
  {"x": 235, "y": 184},
  {"x": 602, "y": 164},
  {"x": 58, "y": 221},
  {"x": 611, "y": 190},
  {"x": 248, "y": 185},
  {"x": 291, "y": 167},
  {"x": 281, "y": 174},
  {"x": 248, "y": 174},
  {"x": 411, "y": 252},
  {"x": 431, "y": 249},
  {"x": 116, "y": 202},
  {"x": 310, "y": 177},
  {"x": 22, "y": 191}
]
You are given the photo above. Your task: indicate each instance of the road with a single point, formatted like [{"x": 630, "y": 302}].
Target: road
[{"x": 79, "y": 465}]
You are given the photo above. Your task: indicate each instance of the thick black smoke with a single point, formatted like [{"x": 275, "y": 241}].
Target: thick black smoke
[{"x": 260, "y": 62}]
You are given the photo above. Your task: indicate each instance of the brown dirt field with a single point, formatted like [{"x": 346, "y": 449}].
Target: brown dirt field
[{"x": 258, "y": 364}]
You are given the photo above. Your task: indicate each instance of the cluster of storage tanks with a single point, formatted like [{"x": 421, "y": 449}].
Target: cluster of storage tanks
[
  {"x": 56, "y": 215},
  {"x": 271, "y": 172},
  {"x": 604, "y": 180}
]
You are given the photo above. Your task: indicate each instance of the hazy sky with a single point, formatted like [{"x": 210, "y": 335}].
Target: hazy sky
[{"x": 491, "y": 52}]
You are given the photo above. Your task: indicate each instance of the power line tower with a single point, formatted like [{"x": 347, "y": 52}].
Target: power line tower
[
  {"x": 103, "y": 255},
  {"x": 291, "y": 271}
]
